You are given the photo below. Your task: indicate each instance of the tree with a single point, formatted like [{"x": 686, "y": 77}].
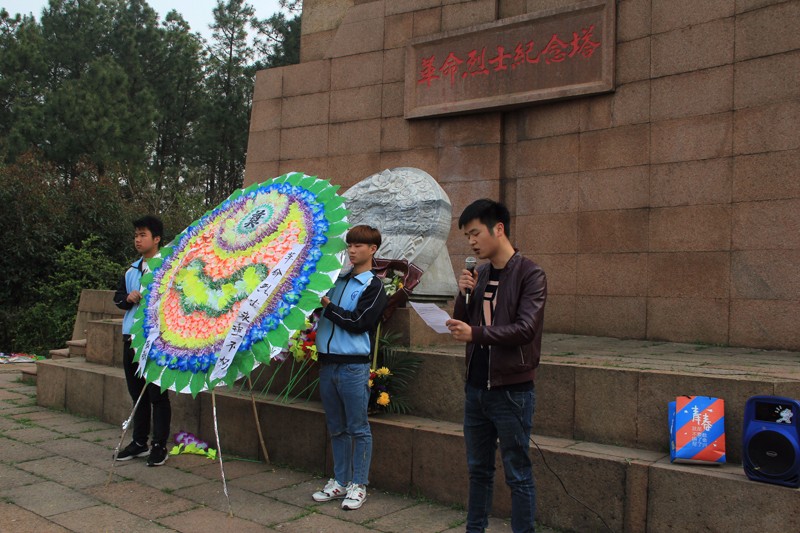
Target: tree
[
  {"x": 106, "y": 113},
  {"x": 33, "y": 225},
  {"x": 277, "y": 39},
  {"x": 223, "y": 129},
  {"x": 23, "y": 72},
  {"x": 92, "y": 118},
  {"x": 97, "y": 106},
  {"x": 175, "y": 78},
  {"x": 49, "y": 321}
]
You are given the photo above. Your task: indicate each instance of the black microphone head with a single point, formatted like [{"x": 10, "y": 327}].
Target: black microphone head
[{"x": 469, "y": 263}]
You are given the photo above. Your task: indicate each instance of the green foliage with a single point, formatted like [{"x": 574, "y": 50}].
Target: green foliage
[
  {"x": 278, "y": 40},
  {"x": 94, "y": 206},
  {"x": 223, "y": 126},
  {"x": 403, "y": 367},
  {"x": 105, "y": 83},
  {"x": 108, "y": 113},
  {"x": 23, "y": 71},
  {"x": 32, "y": 224},
  {"x": 49, "y": 321}
]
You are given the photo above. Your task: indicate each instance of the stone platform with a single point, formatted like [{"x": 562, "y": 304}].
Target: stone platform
[
  {"x": 55, "y": 477},
  {"x": 600, "y": 429},
  {"x": 615, "y": 391}
]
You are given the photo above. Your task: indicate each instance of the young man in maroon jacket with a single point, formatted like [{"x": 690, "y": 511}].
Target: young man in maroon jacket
[{"x": 501, "y": 322}]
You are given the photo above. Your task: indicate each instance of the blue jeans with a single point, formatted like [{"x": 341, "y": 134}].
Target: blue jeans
[
  {"x": 508, "y": 416},
  {"x": 344, "y": 389}
]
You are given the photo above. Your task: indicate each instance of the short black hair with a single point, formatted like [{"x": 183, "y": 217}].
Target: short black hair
[
  {"x": 488, "y": 212},
  {"x": 363, "y": 234},
  {"x": 152, "y": 223}
]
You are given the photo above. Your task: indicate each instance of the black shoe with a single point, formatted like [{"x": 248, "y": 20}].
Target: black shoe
[
  {"x": 158, "y": 455},
  {"x": 133, "y": 450}
]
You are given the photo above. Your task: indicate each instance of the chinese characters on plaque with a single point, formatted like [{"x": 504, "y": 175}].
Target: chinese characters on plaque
[
  {"x": 535, "y": 57},
  {"x": 475, "y": 62}
]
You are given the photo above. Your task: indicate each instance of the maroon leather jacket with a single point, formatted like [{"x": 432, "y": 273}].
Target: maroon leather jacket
[{"x": 515, "y": 337}]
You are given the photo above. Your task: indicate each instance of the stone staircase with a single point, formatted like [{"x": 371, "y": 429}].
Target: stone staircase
[
  {"x": 93, "y": 305},
  {"x": 601, "y": 455}
]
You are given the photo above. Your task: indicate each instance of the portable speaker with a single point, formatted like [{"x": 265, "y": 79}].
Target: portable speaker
[{"x": 771, "y": 445}]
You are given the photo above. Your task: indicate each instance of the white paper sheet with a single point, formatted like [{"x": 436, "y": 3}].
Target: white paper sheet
[{"x": 433, "y": 315}]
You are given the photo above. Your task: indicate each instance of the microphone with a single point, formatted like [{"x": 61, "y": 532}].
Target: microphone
[{"x": 469, "y": 264}]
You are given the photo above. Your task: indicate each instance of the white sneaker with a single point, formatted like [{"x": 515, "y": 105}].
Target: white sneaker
[
  {"x": 331, "y": 491},
  {"x": 356, "y": 495}
]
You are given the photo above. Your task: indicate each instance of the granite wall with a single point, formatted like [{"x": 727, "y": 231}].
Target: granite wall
[{"x": 668, "y": 209}]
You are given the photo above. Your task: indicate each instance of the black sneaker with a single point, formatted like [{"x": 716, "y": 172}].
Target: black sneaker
[
  {"x": 158, "y": 455},
  {"x": 133, "y": 450}
]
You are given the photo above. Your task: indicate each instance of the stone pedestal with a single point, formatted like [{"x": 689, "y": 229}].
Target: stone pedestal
[{"x": 104, "y": 342}]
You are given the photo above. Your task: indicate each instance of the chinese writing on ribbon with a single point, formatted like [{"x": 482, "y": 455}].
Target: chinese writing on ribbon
[{"x": 249, "y": 310}]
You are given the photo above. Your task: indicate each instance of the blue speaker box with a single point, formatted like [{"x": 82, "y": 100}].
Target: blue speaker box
[{"x": 771, "y": 440}]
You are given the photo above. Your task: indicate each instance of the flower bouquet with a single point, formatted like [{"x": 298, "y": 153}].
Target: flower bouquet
[
  {"x": 188, "y": 443},
  {"x": 300, "y": 354},
  {"x": 379, "y": 380},
  {"x": 392, "y": 372},
  {"x": 303, "y": 344},
  {"x": 399, "y": 278}
]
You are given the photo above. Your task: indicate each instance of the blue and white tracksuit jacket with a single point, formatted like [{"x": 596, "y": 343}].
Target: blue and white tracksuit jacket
[
  {"x": 356, "y": 307},
  {"x": 131, "y": 281}
]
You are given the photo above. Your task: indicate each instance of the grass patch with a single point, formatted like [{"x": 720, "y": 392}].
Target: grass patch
[{"x": 456, "y": 523}]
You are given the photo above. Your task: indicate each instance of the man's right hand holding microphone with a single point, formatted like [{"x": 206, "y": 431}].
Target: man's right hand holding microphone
[
  {"x": 461, "y": 331},
  {"x": 466, "y": 282}
]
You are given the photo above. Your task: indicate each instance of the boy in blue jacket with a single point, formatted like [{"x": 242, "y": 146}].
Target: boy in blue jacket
[
  {"x": 148, "y": 232},
  {"x": 351, "y": 311}
]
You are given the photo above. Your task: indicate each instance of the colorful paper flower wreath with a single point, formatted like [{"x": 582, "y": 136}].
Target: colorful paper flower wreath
[{"x": 230, "y": 290}]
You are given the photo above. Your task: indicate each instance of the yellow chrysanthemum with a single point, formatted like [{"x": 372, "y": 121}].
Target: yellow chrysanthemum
[
  {"x": 370, "y": 384},
  {"x": 383, "y": 399},
  {"x": 383, "y": 371}
]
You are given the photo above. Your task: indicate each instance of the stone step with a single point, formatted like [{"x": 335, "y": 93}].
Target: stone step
[
  {"x": 76, "y": 347},
  {"x": 59, "y": 353},
  {"x": 614, "y": 391},
  {"x": 94, "y": 305},
  {"x": 594, "y": 389},
  {"x": 604, "y": 390},
  {"x": 631, "y": 489},
  {"x": 104, "y": 341},
  {"x": 28, "y": 374}
]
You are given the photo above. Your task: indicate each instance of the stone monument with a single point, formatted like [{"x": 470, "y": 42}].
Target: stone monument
[{"x": 413, "y": 214}]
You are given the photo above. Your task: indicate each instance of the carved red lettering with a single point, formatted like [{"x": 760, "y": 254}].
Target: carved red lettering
[
  {"x": 476, "y": 64},
  {"x": 428, "y": 72},
  {"x": 500, "y": 59},
  {"x": 523, "y": 55},
  {"x": 583, "y": 44},
  {"x": 555, "y": 51},
  {"x": 450, "y": 66}
]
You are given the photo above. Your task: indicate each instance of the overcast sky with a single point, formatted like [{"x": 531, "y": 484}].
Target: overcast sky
[{"x": 197, "y": 12}]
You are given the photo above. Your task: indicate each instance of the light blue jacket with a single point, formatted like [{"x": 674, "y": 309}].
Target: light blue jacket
[
  {"x": 356, "y": 306},
  {"x": 131, "y": 281}
]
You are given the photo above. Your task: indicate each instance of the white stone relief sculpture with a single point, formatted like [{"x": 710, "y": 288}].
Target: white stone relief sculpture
[{"x": 413, "y": 214}]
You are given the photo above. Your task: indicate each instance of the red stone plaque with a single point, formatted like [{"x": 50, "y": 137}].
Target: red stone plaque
[{"x": 535, "y": 57}]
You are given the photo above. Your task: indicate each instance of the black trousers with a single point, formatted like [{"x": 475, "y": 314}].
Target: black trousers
[{"x": 154, "y": 404}]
